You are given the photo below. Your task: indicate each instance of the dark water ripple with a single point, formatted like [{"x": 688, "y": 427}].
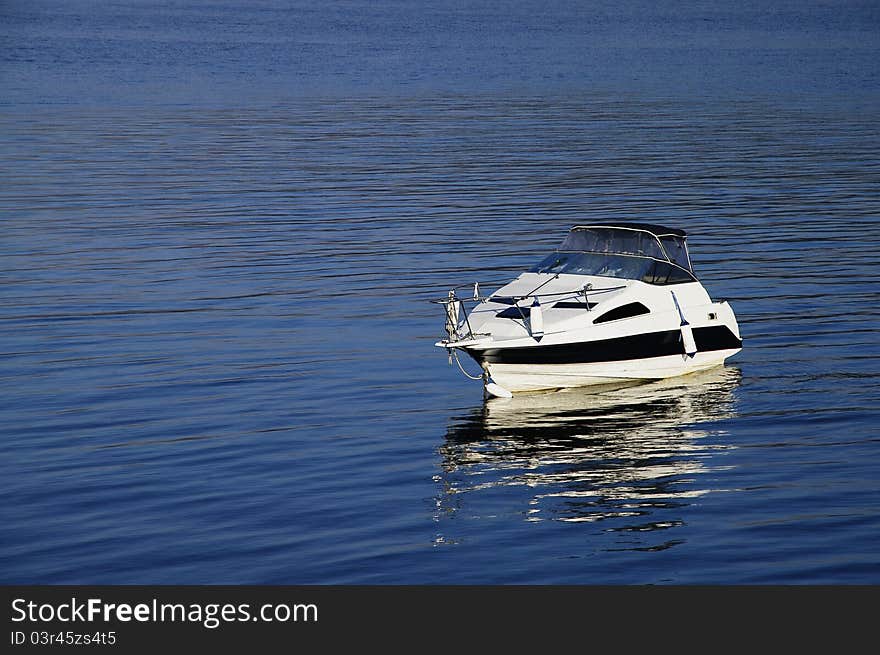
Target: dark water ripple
[{"x": 217, "y": 361}]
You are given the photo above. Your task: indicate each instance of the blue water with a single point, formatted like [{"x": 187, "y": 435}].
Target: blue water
[{"x": 222, "y": 226}]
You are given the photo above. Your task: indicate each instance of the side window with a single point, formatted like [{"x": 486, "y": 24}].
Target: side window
[
  {"x": 678, "y": 276},
  {"x": 666, "y": 273},
  {"x": 677, "y": 250},
  {"x": 624, "y": 311}
]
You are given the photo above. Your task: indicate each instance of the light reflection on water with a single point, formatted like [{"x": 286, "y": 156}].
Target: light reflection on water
[{"x": 633, "y": 456}]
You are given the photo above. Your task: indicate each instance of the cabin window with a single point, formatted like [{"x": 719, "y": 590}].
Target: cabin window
[{"x": 624, "y": 311}]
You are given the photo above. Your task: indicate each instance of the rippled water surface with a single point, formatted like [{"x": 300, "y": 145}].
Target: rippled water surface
[{"x": 217, "y": 346}]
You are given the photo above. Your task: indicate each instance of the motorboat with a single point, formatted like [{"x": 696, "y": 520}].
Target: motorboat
[{"x": 616, "y": 302}]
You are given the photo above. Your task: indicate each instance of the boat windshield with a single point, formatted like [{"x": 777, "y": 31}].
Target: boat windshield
[
  {"x": 610, "y": 240},
  {"x": 627, "y": 267},
  {"x": 630, "y": 254},
  {"x": 613, "y": 240}
]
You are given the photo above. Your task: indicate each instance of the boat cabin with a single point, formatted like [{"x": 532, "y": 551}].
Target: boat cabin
[{"x": 631, "y": 251}]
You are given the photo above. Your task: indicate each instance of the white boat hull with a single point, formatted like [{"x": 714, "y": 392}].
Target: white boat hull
[{"x": 538, "y": 377}]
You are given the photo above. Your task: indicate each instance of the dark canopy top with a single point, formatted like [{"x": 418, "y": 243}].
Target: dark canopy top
[{"x": 656, "y": 230}]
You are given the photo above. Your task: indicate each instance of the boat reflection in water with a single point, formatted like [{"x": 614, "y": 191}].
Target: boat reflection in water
[{"x": 634, "y": 456}]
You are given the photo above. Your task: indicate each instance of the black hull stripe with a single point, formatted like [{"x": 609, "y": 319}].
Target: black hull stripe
[
  {"x": 717, "y": 337},
  {"x": 638, "y": 346}
]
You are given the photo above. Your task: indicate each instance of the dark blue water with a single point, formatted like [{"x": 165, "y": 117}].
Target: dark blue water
[{"x": 222, "y": 226}]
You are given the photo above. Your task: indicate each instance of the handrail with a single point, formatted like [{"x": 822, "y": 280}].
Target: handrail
[{"x": 519, "y": 297}]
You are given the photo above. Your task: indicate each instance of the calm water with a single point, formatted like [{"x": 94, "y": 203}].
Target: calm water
[{"x": 222, "y": 227}]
